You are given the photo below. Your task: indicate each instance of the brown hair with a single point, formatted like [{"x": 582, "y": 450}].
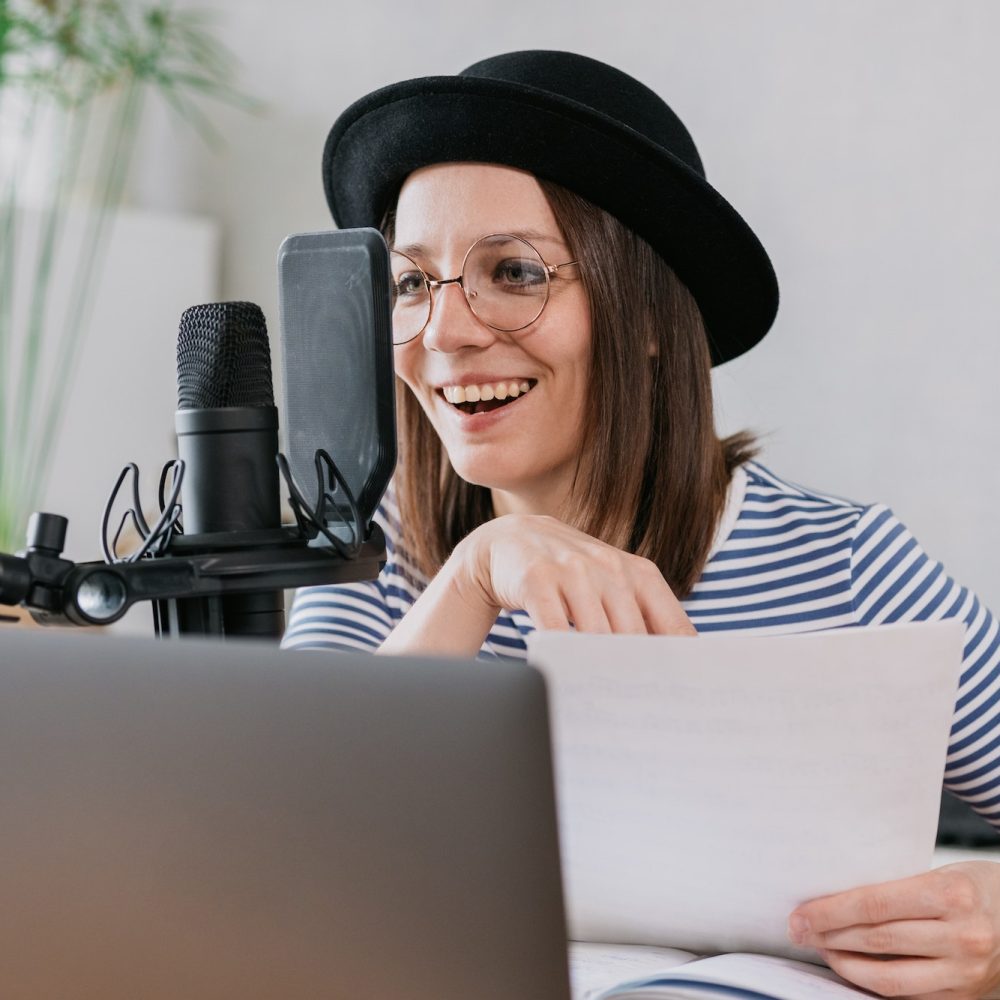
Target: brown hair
[{"x": 653, "y": 476}]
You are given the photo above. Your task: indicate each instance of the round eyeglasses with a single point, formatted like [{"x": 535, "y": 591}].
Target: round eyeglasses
[{"x": 505, "y": 280}]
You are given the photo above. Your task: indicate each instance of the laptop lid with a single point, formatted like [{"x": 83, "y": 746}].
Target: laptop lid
[{"x": 214, "y": 820}]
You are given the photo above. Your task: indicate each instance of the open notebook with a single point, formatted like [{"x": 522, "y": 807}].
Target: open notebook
[{"x": 621, "y": 972}]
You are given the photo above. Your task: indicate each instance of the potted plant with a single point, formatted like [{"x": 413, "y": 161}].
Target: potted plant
[{"x": 75, "y": 76}]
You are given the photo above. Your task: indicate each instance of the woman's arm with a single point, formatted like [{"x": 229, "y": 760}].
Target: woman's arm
[
  {"x": 450, "y": 617},
  {"x": 936, "y": 934}
]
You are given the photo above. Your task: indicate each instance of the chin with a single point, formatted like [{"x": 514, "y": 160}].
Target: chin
[{"x": 493, "y": 475}]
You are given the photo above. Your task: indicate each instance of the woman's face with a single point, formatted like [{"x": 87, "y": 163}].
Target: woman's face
[{"x": 526, "y": 449}]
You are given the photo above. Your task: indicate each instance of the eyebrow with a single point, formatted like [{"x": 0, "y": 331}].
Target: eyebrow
[{"x": 531, "y": 235}]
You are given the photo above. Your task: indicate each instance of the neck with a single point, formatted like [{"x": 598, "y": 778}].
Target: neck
[
  {"x": 548, "y": 501},
  {"x": 549, "y": 494}
]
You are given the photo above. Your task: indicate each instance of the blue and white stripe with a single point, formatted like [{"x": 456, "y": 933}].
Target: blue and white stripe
[{"x": 785, "y": 559}]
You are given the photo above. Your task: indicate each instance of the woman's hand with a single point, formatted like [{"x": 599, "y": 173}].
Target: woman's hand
[
  {"x": 538, "y": 564},
  {"x": 563, "y": 577},
  {"x": 933, "y": 936}
]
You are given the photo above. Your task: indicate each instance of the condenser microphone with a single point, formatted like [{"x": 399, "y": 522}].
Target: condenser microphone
[
  {"x": 227, "y": 437},
  {"x": 217, "y": 559}
]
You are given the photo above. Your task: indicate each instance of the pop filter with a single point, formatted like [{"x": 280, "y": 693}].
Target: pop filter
[{"x": 336, "y": 336}]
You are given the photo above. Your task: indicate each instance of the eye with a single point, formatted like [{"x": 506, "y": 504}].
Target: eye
[
  {"x": 516, "y": 273},
  {"x": 409, "y": 284}
]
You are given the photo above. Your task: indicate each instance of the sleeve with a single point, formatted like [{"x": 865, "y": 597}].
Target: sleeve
[
  {"x": 356, "y": 615},
  {"x": 346, "y": 616},
  {"x": 893, "y": 580}
]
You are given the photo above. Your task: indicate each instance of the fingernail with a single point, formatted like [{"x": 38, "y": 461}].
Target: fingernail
[{"x": 798, "y": 928}]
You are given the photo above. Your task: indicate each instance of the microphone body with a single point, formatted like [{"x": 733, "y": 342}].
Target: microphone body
[
  {"x": 231, "y": 476},
  {"x": 227, "y": 436}
]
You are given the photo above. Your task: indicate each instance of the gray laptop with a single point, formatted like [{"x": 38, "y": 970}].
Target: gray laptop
[{"x": 217, "y": 820}]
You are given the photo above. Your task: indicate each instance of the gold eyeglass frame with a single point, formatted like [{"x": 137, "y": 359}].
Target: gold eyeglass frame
[{"x": 551, "y": 270}]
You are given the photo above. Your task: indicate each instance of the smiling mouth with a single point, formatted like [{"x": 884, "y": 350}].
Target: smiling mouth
[{"x": 485, "y": 398}]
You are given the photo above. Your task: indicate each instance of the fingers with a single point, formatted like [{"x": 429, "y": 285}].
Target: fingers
[
  {"x": 926, "y": 896},
  {"x": 904, "y": 977},
  {"x": 585, "y": 607},
  {"x": 929, "y": 936},
  {"x": 634, "y": 599},
  {"x": 581, "y": 604},
  {"x": 661, "y": 610},
  {"x": 625, "y": 615},
  {"x": 621, "y": 604},
  {"x": 924, "y": 938},
  {"x": 547, "y": 610}
]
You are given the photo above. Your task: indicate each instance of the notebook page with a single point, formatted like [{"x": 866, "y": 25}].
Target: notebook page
[
  {"x": 707, "y": 786},
  {"x": 595, "y": 968},
  {"x": 779, "y": 978}
]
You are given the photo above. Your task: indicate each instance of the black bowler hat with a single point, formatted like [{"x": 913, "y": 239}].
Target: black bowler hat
[{"x": 585, "y": 125}]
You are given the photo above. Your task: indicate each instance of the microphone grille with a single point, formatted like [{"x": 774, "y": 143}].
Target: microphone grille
[{"x": 223, "y": 357}]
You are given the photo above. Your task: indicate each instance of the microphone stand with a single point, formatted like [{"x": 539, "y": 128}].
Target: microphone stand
[{"x": 188, "y": 578}]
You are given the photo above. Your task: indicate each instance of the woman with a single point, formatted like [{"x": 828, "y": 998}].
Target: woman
[{"x": 564, "y": 280}]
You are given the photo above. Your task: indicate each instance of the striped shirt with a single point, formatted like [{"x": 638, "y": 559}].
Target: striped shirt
[{"x": 784, "y": 559}]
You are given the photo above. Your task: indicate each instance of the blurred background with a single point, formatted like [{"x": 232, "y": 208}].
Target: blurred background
[{"x": 858, "y": 139}]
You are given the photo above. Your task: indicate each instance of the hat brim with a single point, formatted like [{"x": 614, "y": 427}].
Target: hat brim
[{"x": 381, "y": 139}]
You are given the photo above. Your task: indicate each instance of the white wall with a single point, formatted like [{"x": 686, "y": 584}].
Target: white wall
[
  {"x": 121, "y": 405},
  {"x": 859, "y": 140}
]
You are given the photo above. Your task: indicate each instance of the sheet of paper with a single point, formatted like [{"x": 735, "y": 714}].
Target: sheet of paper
[
  {"x": 595, "y": 968},
  {"x": 706, "y": 786}
]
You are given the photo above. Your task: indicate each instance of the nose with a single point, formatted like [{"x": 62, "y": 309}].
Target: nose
[{"x": 453, "y": 325}]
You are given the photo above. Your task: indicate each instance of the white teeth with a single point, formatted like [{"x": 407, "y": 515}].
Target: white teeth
[{"x": 474, "y": 393}]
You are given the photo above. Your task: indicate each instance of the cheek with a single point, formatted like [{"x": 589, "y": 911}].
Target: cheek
[
  {"x": 573, "y": 334},
  {"x": 572, "y": 359},
  {"x": 404, "y": 359},
  {"x": 406, "y": 362}
]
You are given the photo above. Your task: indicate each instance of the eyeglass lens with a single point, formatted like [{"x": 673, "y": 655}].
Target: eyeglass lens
[{"x": 504, "y": 279}]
